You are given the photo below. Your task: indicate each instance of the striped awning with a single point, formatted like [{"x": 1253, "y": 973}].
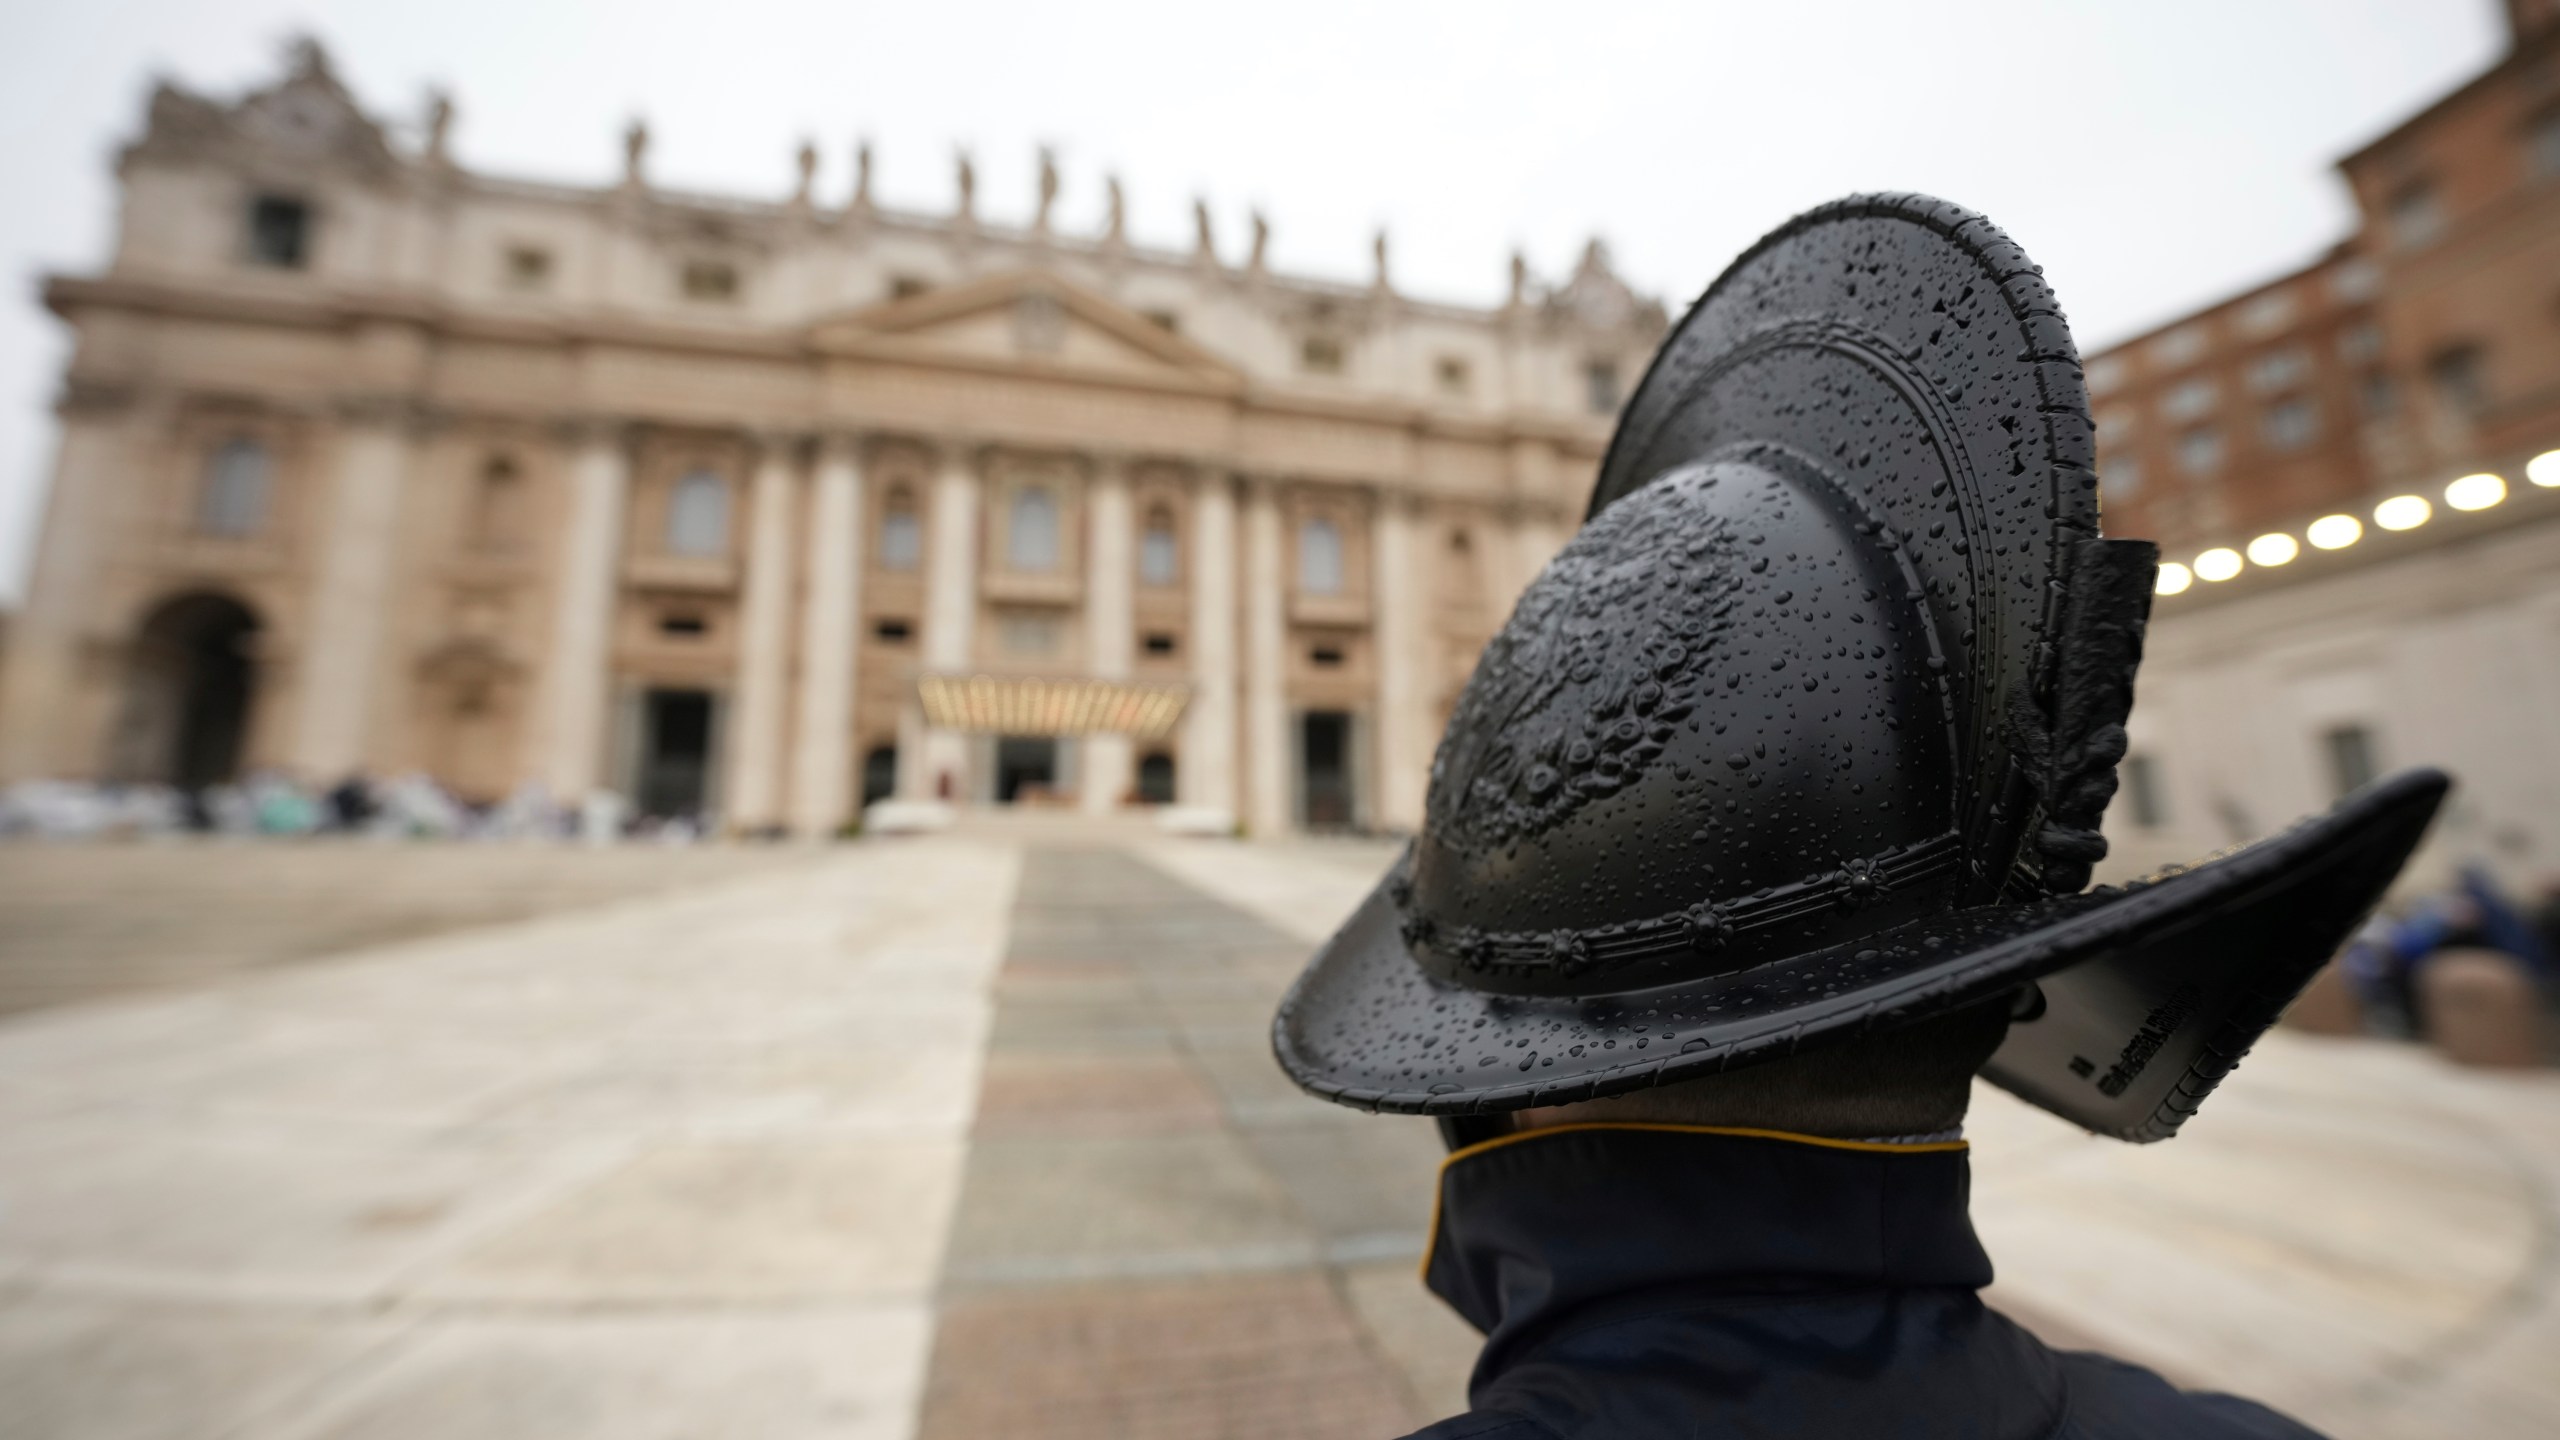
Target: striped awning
[{"x": 1050, "y": 705}]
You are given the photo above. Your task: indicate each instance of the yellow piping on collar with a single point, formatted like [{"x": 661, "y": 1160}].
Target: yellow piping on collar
[{"x": 1431, "y": 1246}]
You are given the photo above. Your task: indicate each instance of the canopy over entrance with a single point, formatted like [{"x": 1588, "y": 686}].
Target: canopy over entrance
[{"x": 1051, "y": 705}]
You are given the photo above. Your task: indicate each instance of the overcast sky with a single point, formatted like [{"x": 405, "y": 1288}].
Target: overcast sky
[{"x": 2152, "y": 156}]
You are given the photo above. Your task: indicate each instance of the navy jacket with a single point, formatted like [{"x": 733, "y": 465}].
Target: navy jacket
[{"x": 1677, "y": 1281}]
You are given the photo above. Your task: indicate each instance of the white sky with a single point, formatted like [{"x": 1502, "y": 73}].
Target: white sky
[{"x": 2152, "y": 156}]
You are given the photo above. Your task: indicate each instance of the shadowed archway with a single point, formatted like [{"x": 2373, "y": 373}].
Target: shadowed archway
[{"x": 191, "y": 680}]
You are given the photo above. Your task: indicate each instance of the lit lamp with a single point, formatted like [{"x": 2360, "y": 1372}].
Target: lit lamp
[
  {"x": 2174, "y": 578},
  {"x": 2403, "y": 512},
  {"x": 2275, "y": 549},
  {"x": 2334, "y": 532},
  {"x": 2219, "y": 563},
  {"x": 2544, "y": 469},
  {"x": 2475, "y": 492}
]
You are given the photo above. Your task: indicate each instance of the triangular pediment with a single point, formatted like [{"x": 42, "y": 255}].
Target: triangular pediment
[{"x": 1033, "y": 319}]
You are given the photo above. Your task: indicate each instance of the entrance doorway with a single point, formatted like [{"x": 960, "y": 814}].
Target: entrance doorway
[
  {"x": 879, "y": 774},
  {"x": 1155, "y": 779},
  {"x": 675, "y": 753},
  {"x": 188, "y": 693},
  {"x": 1026, "y": 768},
  {"x": 1324, "y": 748}
]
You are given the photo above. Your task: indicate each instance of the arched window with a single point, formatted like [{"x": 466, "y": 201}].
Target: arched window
[
  {"x": 901, "y": 534},
  {"x": 1031, "y": 531},
  {"x": 1159, "y": 554},
  {"x": 497, "y": 506},
  {"x": 1320, "y": 558},
  {"x": 698, "y": 515},
  {"x": 234, "y": 498}
]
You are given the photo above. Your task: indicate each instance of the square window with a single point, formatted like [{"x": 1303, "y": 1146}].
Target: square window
[
  {"x": 280, "y": 232},
  {"x": 1320, "y": 355},
  {"x": 710, "y": 280},
  {"x": 528, "y": 267},
  {"x": 1455, "y": 376},
  {"x": 2105, "y": 374},
  {"x": 2120, "y": 478}
]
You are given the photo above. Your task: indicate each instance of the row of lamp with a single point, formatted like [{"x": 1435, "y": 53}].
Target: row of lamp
[{"x": 2337, "y": 532}]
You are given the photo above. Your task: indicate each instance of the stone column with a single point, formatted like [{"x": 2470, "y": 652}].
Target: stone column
[
  {"x": 1206, "y": 778},
  {"x": 822, "y": 796},
  {"x": 92, "y": 466},
  {"x": 1396, "y": 630},
  {"x": 1110, "y": 610},
  {"x": 764, "y": 641},
  {"x": 950, "y": 611},
  {"x": 579, "y": 670},
  {"x": 1266, "y": 703},
  {"x": 342, "y": 640}
]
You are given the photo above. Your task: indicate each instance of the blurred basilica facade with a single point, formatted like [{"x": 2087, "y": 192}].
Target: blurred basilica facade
[{"x": 761, "y": 510}]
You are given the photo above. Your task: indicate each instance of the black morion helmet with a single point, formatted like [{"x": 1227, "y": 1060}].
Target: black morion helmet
[{"x": 1807, "y": 734}]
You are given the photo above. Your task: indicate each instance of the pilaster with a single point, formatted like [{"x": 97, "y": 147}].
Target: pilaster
[
  {"x": 1267, "y": 741},
  {"x": 350, "y": 596},
  {"x": 764, "y": 639},
  {"x": 822, "y": 796},
  {"x": 1206, "y": 778},
  {"x": 1109, "y": 760},
  {"x": 570, "y": 731}
]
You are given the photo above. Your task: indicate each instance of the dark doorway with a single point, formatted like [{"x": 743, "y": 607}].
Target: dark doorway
[
  {"x": 1155, "y": 779},
  {"x": 879, "y": 774},
  {"x": 675, "y": 752},
  {"x": 1026, "y": 768},
  {"x": 188, "y": 693},
  {"x": 1325, "y": 747}
]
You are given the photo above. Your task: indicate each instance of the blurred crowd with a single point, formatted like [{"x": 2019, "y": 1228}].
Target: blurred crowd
[
  {"x": 2387, "y": 962},
  {"x": 273, "y": 804}
]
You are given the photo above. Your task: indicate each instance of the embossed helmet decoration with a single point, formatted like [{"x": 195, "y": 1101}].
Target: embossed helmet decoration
[{"x": 1808, "y": 732}]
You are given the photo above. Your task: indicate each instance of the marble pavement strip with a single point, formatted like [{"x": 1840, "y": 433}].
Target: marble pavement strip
[
  {"x": 669, "y": 1167},
  {"x": 1158, "y": 1236}
]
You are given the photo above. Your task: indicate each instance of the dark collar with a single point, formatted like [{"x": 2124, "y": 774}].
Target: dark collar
[{"x": 1535, "y": 1227}]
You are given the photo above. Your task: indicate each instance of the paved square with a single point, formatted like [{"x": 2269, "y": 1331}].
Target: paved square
[{"x": 980, "y": 1135}]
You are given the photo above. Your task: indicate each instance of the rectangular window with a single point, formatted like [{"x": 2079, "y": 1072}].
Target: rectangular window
[
  {"x": 2279, "y": 369},
  {"x": 2458, "y": 379},
  {"x": 2381, "y": 397},
  {"x": 710, "y": 280},
  {"x": 2350, "y": 752},
  {"x": 2105, "y": 374},
  {"x": 901, "y": 540},
  {"x": 1159, "y": 643},
  {"x": 683, "y": 626},
  {"x": 280, "y": 232},
  {"x": 1454, "y": 375},
  {"x": 907, "y": 287},
  {"x": 2542, "y": 145},
  {"x": 1320, "y": 355},
  {"x": 2179, "y": 346},
  {"x": 1028, "y": 634},
  {"x": 1164, "y": 320},
  {"x": 2115, "y": 426},
  {"x": 2268, "y": 313},
  {"x": 2142, "y": 792},
  {"x": 892, "y": 632},
  {"x": 1325, "y": 657},
  {"x": 2120, "y": 478},
  {"x": 2416, "y": 215},
  {"x": 2190, "y": 400},
  {"x": 528, "y": 267},
  {"x": 2200, "y": 450},
  {"x": 2292, "y": 424},
  {"x": 1159, "y": 556},
  {"x": 1600, "y": 386}
]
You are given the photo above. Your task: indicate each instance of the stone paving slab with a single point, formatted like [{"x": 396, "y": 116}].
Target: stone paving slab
[{"x": 676, "y": 1165}]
